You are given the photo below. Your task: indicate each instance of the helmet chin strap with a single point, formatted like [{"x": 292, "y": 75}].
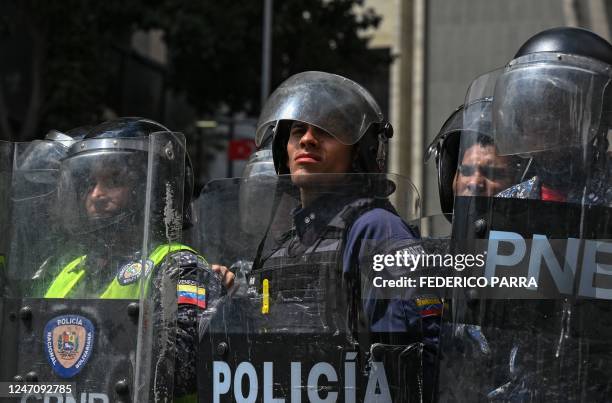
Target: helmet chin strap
[
  {"x": 381, "y": 153},
  {"x": 383, "y": 139}
]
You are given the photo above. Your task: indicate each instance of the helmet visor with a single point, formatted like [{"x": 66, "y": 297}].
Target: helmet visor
[
  {"x": 481, "y": 170},
  {"x": 452, "y": 125},
  {"x": 333, "y": 103},
  {"x": 477, "y": 110},
  {"x": 548, "y": 101},
  {"x": 100, "y": 188},
  {"x": 37, "y": 167}
]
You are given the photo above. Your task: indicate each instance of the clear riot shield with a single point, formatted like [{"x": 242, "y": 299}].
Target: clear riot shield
[
  {"x": 8, "y": 292},
  {"x": 532, "y": 200},
  {"x": 33, "y": 246},
  {"x": 306, "y": 322},
  {"x": 158, "y": 335},
  {"x": 74, "y": 237}
]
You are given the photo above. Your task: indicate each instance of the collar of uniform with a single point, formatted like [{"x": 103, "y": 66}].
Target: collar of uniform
[{"x": 312, "y": 219}]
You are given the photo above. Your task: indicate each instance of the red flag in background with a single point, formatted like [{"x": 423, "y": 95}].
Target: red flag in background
[{"x": 240, "y": 149}]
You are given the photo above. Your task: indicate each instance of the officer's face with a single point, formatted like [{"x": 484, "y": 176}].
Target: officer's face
[
  {"x": 312, "y": 150},
  {"x": 109, "y": 194},
  {"x": 482, "y": 172}
]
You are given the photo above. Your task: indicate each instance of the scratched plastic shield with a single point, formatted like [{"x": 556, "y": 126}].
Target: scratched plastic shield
[
  {"x": 295, "y": 326},
  {"x": 70, "y": 281},
  {"x": 550, "y": 342}
]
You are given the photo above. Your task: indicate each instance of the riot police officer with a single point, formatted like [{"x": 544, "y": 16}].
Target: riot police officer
[
  {"x": 121, "y": 204},
  {"x": 475, "y": 168},
  {"x": 551, "y": 111},
  {"x": 29, "y": 183},
  {"x": 331, "y": 137},
  {"x": 34, "y": 196},
  {"x": 468, "y": 165},
  {"x": 309, "y": 290}
]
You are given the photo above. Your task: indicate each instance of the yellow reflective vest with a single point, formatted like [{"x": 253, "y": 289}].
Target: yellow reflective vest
[{"x": 75, "y": 271}]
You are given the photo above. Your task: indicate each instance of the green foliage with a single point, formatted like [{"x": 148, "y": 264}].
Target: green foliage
[
  {"x": 214, "y": 52},
  {"x": 74, "y": 39},
  {"x": 215, "y": 47}
]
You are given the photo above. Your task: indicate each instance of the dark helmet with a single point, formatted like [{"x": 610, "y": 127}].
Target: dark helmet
[
  {"x": 38, "y": 163},
  {"x": 34, "y": 198},
  {"x": 552, "y": 105},
  {"x": 47, "y": 153},
  {"x": 333, "y": 103},
  {"x": 72, "y": 135},
  {"x": 259, "y": 180},
  {"x": 474, "y": 118},
  {"x": 568, "y": 40},
  {"x": 121, "y": 147},
  {"x": 260, "y": 162}
]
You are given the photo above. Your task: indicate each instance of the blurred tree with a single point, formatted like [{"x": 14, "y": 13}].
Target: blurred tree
[
  {"x": 61, "y": 61},
  {"x": 215, "y": 47},
  {"x": 63, "y": 78}
]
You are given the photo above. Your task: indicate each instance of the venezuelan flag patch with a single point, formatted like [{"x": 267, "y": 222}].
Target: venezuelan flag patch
[
  {"x": 429, "y": 306},
  {"x": 189, "y": 292}
]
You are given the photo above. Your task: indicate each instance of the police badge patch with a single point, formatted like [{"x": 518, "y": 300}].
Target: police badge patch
[
  {"x": 130, "y": 272},
  {"x": 68, "y": 344}
]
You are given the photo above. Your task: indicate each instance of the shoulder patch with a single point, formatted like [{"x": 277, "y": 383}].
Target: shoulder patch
[
  {"x": 191, "y": 293},
  {"x": 429, "y": 306},
  {"x": 130, "y": 272}
]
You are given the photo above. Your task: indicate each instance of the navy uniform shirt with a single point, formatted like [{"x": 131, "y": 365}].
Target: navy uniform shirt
[{"x": 377, "y": 225}]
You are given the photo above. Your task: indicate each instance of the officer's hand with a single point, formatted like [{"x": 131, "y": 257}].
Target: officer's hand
[{"x": 227, "y": 277}]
